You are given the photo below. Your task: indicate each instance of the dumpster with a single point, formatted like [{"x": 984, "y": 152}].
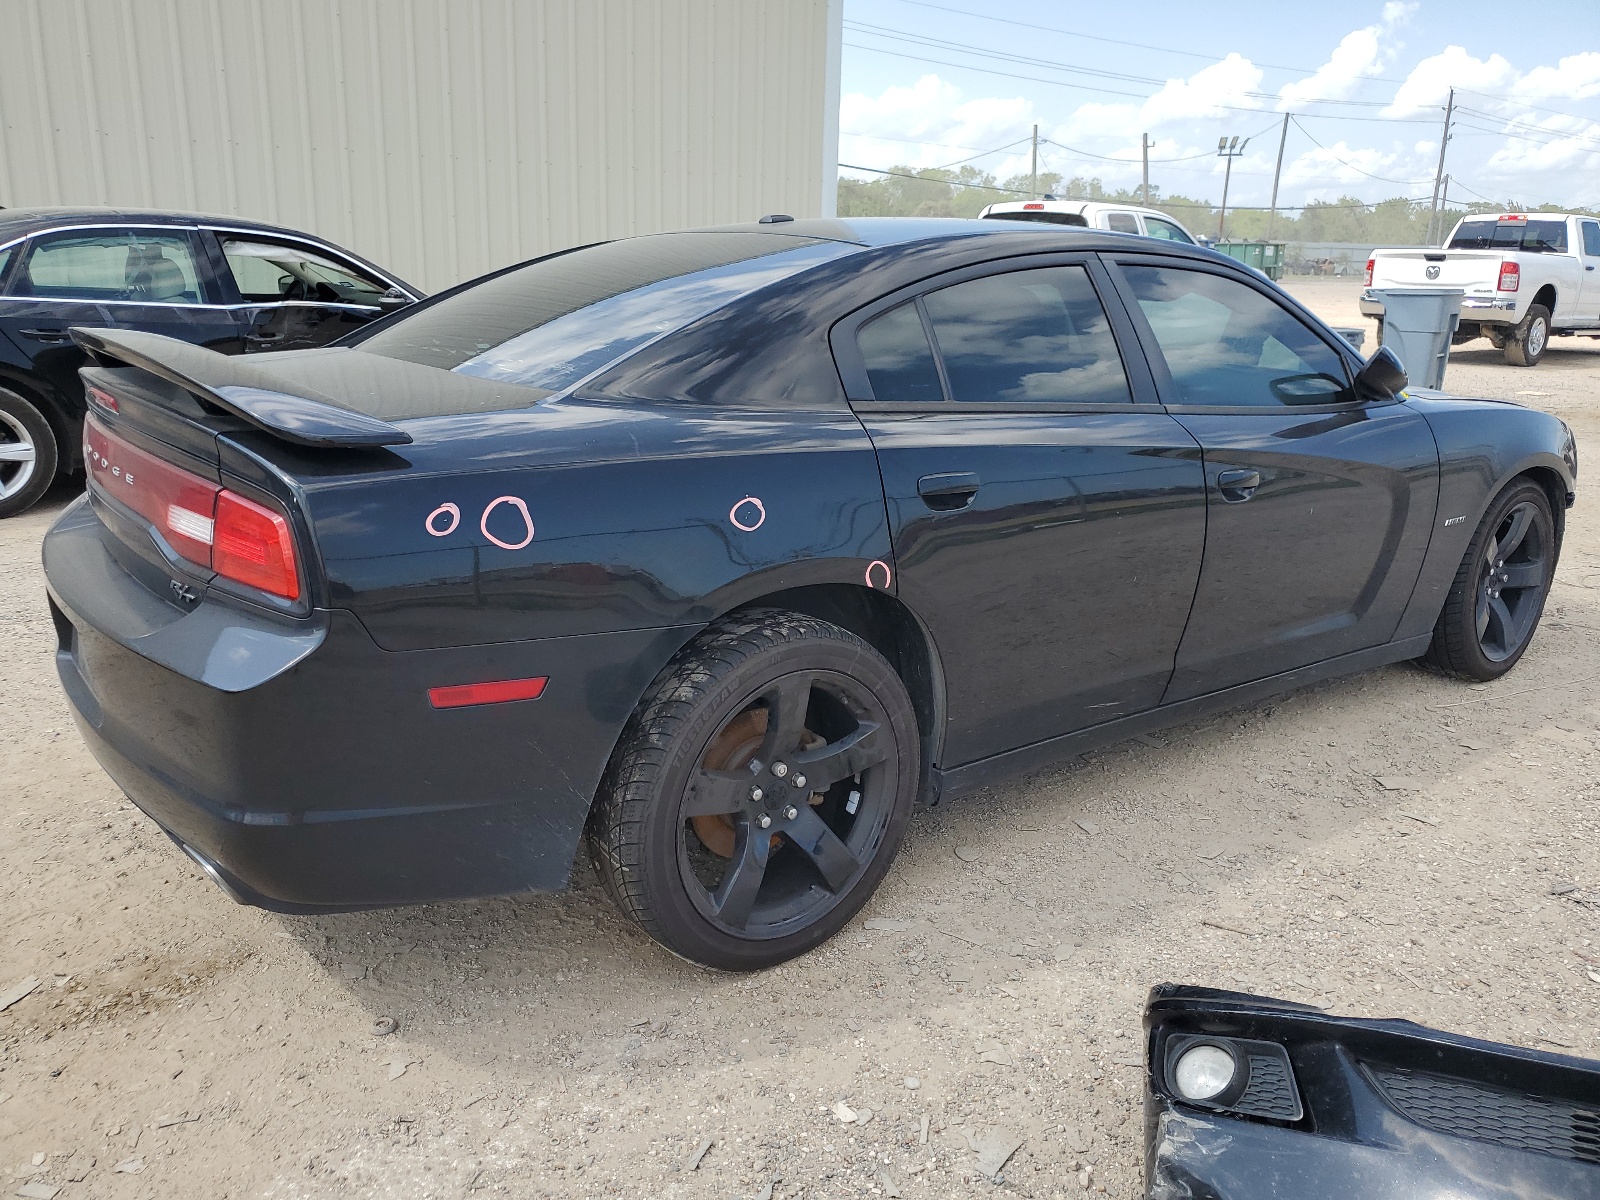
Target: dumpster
[
  {"x": 1418, "y": 324},
  {"x": 1266, "y": 257}
]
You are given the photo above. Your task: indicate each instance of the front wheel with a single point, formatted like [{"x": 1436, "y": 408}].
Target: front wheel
[
  {"x": 1499, "y": 590},
  {"x": 759, "y": 794}
]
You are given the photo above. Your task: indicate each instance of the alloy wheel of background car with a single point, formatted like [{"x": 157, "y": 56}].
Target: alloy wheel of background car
[
  {"x": 758, "y": 797},
  {"x": 1499, "y": 591},
  {"x": 27, "y": 454},
  {"x": 1525, "y": 345}
]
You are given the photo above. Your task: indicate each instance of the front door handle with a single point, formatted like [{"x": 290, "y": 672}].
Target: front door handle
[
  {"x": 262, "y": 339},
  {"x": 948, "y": 492},
  {"x": 1238, "y": 485},
  {"x": 55, "y": 336}
]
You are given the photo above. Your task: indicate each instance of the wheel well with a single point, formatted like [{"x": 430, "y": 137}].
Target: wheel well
[
  {"x": 893, "y": 630},
  {"x": 1556, "y": 489},
  {"x": 1547, "y": 297}
]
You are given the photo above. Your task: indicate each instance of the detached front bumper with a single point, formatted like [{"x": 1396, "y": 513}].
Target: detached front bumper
[
  {"x": 1383, "y": 1110},
  {"x": 304, "y": 767}
]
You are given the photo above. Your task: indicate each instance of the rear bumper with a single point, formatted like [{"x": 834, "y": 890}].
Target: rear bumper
[
  {"x": 332, "y": 783},
  {"x": 1490, "y": 309}
]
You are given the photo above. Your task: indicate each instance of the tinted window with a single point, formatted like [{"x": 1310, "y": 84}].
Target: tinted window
[
  {"x": 1226, "y": 343},
  {"x": 1533, "y": 237},
  {"x": 111, "y": 264},
  {"x": 1157, "y": 228},
  {"x": 898, "y": 358},
  {"x": 1122, "y": 223},
  {"x": 555, "y": 321},
  {"x": 6, "y": 255},
  {"x": 268, "y": 271},
  {"x": 1591, "y": 241},
  {"x": 1027, "y": 336},
  {"x": 1049, "y": 218}
]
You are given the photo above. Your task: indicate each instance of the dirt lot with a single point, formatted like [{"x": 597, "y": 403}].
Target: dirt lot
[{"x": 1393, "y": 844}]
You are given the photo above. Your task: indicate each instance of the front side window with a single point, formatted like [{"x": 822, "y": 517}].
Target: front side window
[
  {"x": 1157, "y": 228},
  {"x": 137, "y": 265},
  {"x": 898, "y": 358},
  {"x": 267, "y": 272},
  {"x": 1122, "y": 222},
  {"x": 1591, "y": 241},
  {"x": 1038, "y": 336},
  {"x": 1225, "y": 343}
]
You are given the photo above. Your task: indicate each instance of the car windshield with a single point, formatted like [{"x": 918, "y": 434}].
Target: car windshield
[
  {"x": 1534, "y": 237},
  {"x": 554, "y": 322}
]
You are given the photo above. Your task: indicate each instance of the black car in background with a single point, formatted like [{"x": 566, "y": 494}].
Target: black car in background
[
  {"x": 229, "y": 285},
  {"x": 719, "y": 549}
]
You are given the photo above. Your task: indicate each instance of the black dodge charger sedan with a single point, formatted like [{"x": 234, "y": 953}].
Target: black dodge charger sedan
[
  {"x": 229, "y": 285},
  {"x": 721, "y": 549}
]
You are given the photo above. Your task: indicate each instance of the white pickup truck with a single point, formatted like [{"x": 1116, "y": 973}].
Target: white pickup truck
[{"x": 1527, "y": 276}]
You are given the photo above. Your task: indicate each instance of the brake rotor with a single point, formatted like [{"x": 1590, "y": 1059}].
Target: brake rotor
[{"x": 731, "y": 750}]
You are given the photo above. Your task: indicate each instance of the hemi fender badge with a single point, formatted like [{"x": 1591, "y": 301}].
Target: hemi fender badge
[{"x": 1449, "y": 521}]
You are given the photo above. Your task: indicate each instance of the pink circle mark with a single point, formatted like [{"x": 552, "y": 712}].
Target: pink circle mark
[
  {"x": 760, "y": 520},
  {"x": 451, "y": 511},
  {"x": 527, "y": 519},
  {"x": 888, "y": 578}
]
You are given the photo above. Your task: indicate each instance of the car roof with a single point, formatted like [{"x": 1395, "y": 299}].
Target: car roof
[
  {"x": 22, "y": 222},
  {"x": 894, "y": 231}
]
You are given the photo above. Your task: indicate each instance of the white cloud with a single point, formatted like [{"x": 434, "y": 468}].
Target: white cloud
[
  {"x": 1576, "y": 77},
  {"x": 1359, "y": 55},
  {"x": 1427, "y": 86},
  {"x": 926, "y": 124}
]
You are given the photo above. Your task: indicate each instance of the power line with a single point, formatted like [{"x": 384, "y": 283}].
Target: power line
[
  {"x": 1504, "y": 99},
  {"x": 1352, "y": 166}
]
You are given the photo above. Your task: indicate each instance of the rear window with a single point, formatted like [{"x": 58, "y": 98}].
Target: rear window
[
  {"x": 552, "y": 323},
  {"x": 1047, "y": 218},
  {"x": 1533, "y": 237}
]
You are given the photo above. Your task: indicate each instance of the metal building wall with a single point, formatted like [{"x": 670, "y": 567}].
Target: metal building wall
[{"x": 441, "y": 138}]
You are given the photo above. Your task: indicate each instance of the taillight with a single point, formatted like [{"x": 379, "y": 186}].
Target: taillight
[
  {"x": 1510, "y": 276},
  {"x": 253, "y": 545},
  {"x": 1369, "y": 272},
  {"x": 501, "y": 691},
  {"x": 203, "y": 522}
]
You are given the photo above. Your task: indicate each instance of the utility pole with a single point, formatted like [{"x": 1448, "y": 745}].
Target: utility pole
[
  {"x": 1272, "y": 217},
  {"x": 1144, "y": 188},
  {"x": 1229, "y": 150},
  {"x": 1438, "y": 174},
  {"x": 1033, "y": 185}
]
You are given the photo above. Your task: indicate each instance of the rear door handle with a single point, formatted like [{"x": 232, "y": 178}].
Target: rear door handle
[
  {"x": 948, "y": 492},
  {"x": 47, "y": 335},
  {"x": 1238, "y": 485}
]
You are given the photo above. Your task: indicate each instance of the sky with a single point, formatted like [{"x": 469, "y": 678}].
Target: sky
[{"x": 928, "y": 83}]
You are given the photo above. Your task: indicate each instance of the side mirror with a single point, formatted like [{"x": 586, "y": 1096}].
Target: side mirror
[{"x": 1383, "y": 377}]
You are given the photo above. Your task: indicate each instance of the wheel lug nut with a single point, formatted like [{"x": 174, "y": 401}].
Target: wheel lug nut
[
  {"x": 764, "y": 821},
  {"x": 799, "y": 781},
  {"x": 780, "y": 769},
  {"x": 790, "y": 813},
  {"x": 757, "y": 795}
]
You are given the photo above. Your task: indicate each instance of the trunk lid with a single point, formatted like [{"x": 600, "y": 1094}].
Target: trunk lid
[{"x": 1471, "y": 270}]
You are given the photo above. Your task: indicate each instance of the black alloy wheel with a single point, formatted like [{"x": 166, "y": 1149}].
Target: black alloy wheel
[
  {"x": 758, "y": 797},
  {"x": 1499, "y": 591}
]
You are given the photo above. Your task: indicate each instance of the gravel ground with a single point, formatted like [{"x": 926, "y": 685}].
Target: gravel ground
[{"x": 1394, "y": 844}]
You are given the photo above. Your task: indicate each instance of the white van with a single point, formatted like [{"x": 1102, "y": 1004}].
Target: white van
[{"x": 1094, "y": 214}]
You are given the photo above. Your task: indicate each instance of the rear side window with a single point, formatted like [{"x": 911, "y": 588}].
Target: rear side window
[
  {"x": 1122, "y": 223},
  {"x": 553, "y": 322},
  {"x": 899, "y": 360},
  {"x": 1227, "y": 344},
  {"x": 1531, "y": 237},
  {"x": 131, "y": 265},
  {"x": 6, "y": 255},
  {"x": 1034, "y": 336}
]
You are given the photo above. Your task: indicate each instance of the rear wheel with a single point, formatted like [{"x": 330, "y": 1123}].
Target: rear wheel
[
  {"x": 27, "y": 454},
  {"x": 1525, "y": 344},
  {"x": 760, "y": 793},
  {"x": 1499, "y": 591}
]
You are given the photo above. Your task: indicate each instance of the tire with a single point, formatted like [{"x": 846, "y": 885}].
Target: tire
[
  {"x": 28, "y": 454},
  {"x": 1526, "y": 344},
  {"x": 675, "y": 834},
  {"x": 1498, "y": 595}
]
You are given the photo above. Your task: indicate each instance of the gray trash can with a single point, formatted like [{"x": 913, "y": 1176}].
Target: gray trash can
[
  {"x": 1356, "y": 337},
  {"x": 1418, "y": 324}
]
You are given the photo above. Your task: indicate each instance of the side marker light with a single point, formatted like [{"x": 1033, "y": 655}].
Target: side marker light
[{"x": 503, "y": 691}]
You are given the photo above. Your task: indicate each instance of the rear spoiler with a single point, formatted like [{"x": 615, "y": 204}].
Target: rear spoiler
[{"x": 243, "y": 388}]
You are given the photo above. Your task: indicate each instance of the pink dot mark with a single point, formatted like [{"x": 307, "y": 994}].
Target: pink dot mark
[
  {"x": 527, "y": 519},
  {"x": 448, "y": 510},
  {"x": 888, "y": 577},
  {"x": 761, "y": 514}
]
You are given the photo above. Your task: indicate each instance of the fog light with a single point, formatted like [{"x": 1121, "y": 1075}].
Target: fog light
[{"x": 1203, "y": 1072}]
